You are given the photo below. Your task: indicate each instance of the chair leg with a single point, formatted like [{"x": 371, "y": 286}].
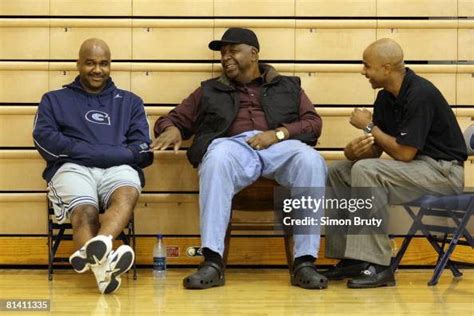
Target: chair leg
[
  {"x": 441, "y": 265},
  {"x": 50, "y": 250},
  {"x": 55, "y": 241},
  {"x": 128, "y": 238},
  {"x": 451, "y": 265},
  {"x": 289, "y": 251},
  {"x": 445, "y": 258},
  {"x": 409, "y": 236},
  {"x": 440, "y": 251},
  {"x": 401, "y": 252},
  {"x": 131, "y": 237}
]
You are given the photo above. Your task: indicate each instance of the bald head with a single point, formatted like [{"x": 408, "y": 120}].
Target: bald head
[
  {"x": 384, "y": 65},
  {"x": 94, "y": 65},
  {"x": 386, "y": 51},
  {"x": 93, "y": 44}
]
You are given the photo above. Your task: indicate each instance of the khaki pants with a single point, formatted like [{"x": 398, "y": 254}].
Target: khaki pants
[{"x": 402, "y": 182}]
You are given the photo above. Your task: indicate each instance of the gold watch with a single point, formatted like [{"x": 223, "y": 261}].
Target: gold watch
[{"x": 280, "y": 135}]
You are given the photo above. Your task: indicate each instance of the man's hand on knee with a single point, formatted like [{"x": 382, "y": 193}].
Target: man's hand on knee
[{"x": 263, "y": 140}]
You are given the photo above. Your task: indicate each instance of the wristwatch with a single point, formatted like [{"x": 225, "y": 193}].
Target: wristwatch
[
  {"x": 280, "y": 135},
  {"x": 368, "y": 129}
]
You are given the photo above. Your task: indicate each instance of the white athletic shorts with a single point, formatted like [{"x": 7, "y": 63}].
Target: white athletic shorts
[{"x": 74, "y": 185}]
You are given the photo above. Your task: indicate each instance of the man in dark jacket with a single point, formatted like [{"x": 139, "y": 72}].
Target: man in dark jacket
[
  {"x": 95, "y": 140},
  {"x": 249, "y": 122}
]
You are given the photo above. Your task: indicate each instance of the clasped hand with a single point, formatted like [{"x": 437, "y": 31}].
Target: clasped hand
[{"x": 360, "y": 118}]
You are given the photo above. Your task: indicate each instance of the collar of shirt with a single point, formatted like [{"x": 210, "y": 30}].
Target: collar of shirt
[
  {"x": 400, "y": 100},
  {"x": 257, "y": 82},
  {"x": 409, "y": 74}
]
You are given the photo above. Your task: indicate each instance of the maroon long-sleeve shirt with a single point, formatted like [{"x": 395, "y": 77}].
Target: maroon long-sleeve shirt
[{"x": 250, "y": 115}]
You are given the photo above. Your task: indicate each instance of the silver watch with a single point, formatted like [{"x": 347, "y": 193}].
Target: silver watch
[{"x": 368, "y": 129}]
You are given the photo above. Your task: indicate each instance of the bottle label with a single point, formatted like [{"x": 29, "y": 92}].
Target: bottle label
[{"x": 159, "y": 263}]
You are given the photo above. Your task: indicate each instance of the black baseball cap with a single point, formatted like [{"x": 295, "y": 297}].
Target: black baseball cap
[{"x": 236, "y": 35}]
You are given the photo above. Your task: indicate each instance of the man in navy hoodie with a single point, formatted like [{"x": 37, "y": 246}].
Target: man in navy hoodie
[{"x": 95, "y": 140}]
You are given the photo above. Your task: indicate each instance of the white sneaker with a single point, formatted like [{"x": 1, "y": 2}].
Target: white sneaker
[
  {"x": 108, "y": 273},
  {"x": 94, "y": 252}
]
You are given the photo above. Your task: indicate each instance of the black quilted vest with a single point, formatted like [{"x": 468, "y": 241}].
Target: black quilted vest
[{"x": 280, "y": 99}]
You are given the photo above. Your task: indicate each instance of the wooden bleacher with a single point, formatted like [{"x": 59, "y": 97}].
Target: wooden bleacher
[{"x": 159, "y": 51}]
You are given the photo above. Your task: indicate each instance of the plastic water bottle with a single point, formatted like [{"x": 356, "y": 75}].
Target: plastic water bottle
[{"x": 159, "y": 258}]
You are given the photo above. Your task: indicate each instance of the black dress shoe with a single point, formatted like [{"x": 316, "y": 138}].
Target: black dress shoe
[
  {"x": 369, "y": 278},
  {"x": 342, "y": 271}
]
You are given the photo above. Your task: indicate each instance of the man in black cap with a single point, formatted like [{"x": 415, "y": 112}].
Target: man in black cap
[{"x": 249, "y": 122}]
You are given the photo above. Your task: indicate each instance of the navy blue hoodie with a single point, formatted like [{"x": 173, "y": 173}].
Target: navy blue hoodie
[{"x": 94, "y": 130}]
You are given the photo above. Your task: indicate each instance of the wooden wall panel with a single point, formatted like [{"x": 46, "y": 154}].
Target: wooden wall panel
[
  {"x": 317, "y": 39},
  {"x": 465, "y": 88},
  {"x": 171, "y": 43},
  {"x": 325, "y": 43},
  {"x": 173, "y": 8},
  {"x": 16, "y": 125},
  {"x": 243, "y": 251},
  {"x": 337, "y": 131},
  {"x": 270, "y": 250},
  {"x": 308, "y": 8},
  {"x": 24, "y": 42},
  {"x": 469, "y": 174},
  {"x": 276, "y": 43},
  {"x": 24, "y": 7},
  {"x": 254, "y": 8},
  {"x": 335, "y": 84},
  {"x": 21, "y": 171},
  {"x": 410, "y": 8},
  {"x": 466, "y": 8},
  {"x": 170, "y": 214},
  {"x": 175, "y": 214},
  {"x": 466, "y": 40},
  {"x": 23, "y": 213},
  {"x": 167, "y": 86},
  {"x": 66, "y": 40},
  {"x": 13, "y": 85},
  {"x": 39, "y": 80},
  {"x": 91, "y": 7},
  {"x": 171, "y": 172},
  {"x": 466, "y": 118},
  {"x": 439, "y": 38},
  {"x": 170, "y": 83}
]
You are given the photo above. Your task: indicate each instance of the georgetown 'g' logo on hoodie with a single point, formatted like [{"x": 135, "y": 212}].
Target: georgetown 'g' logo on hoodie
[{"x": 98, "y": 117}]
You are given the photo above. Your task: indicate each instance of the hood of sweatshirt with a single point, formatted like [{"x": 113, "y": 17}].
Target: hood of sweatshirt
[{"x": 106, "y": 92}]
